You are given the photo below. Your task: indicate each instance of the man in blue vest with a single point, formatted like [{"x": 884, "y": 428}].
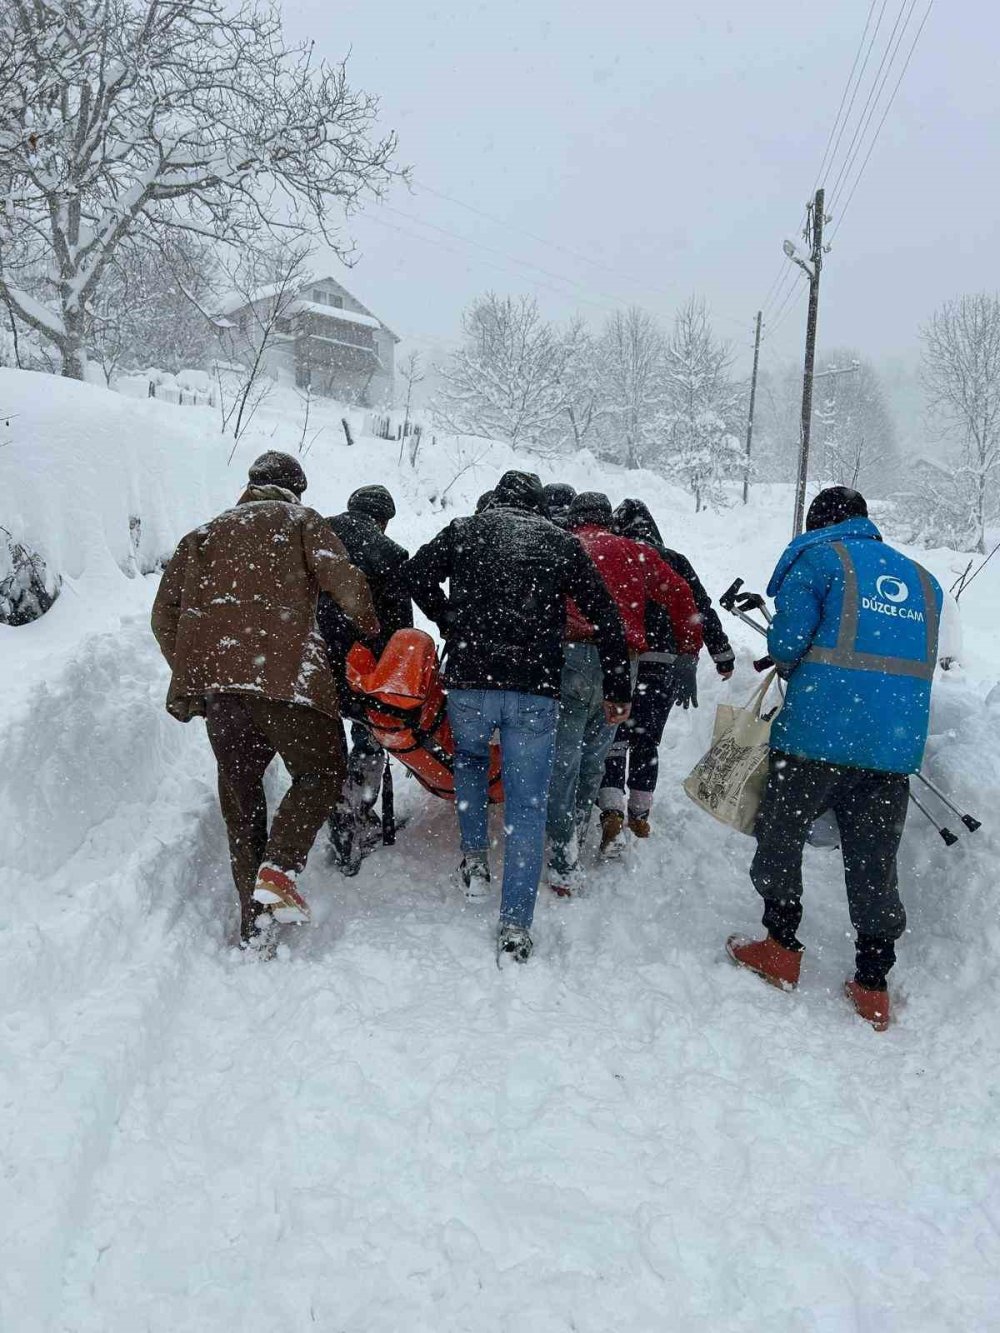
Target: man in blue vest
[{"x": 855, "y": 636}]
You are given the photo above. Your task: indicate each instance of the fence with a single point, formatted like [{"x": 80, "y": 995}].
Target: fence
[
  {"x": 381, "y": 425},
  {"x": 173, "y": 393}
]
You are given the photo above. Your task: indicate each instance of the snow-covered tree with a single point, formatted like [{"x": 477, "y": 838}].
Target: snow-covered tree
[
  {"x": 507, "y": 380},
  {"x": 127, "y": 118},
  {"x": 629, "y": 370},
  {"x": 583, "y": 385},
  {"x": 150, "y": 310},
  {"x": 699, "y": 446},
  {"x": 853, "y": 431},
  {"x": 961, "y": 377}
]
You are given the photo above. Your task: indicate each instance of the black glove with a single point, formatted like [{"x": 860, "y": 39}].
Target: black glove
[
  {"x": 725, "y": 663},
  {"x": 686, "y": 680}
]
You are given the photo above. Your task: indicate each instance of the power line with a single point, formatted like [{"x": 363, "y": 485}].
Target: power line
[
  {"x": 502, "y": 268},
  {"x": 604, "y": 298},
  {"x": 491, "y": 249},
  {"x": 847, "y": 88},
  {"x": 788, "y": 277},
  {"x": 857, "y": 86},
  {"x": 888, "y": 107},
  {"x": 874, "y": 94},
  {"x": 785, "y": 309},
  {"x": 541, "y": 240}
]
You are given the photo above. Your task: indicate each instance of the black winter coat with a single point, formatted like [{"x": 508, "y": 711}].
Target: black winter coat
[
  {"x": 633, "y": 519},
  {"x": 509, "y": 572},
  {"x": 381, "y": 560}
]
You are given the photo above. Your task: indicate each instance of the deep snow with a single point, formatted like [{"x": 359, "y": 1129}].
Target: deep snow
[{"x": 380, "y": 1131}]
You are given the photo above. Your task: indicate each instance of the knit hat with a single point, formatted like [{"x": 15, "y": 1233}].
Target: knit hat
[
  {"x": 375, "y": 501},
  {"x": 559, "y": 495},
  {"x": 590, "y": 507},
  {"x": 277, "y": 469},
  {"x": 835, "y": 505},
  {"x": 633, "y": 519},
  {"x": 519, "y": 490}
]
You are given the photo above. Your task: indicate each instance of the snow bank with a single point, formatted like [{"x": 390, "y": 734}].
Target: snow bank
[{"x": 380, "y": 1132}]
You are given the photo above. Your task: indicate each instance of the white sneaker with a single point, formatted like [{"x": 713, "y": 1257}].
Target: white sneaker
[{"x": 474, "y": 872}]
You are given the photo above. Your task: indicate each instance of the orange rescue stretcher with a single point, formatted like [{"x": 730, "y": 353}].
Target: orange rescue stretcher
[{"x": 402, "y": 699}]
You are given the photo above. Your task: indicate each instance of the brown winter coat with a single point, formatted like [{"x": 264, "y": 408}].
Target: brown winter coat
[{"x": 236, "y": 608}]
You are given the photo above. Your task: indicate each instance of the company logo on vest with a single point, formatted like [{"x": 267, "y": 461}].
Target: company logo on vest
[{"x": 891, "y": 594}]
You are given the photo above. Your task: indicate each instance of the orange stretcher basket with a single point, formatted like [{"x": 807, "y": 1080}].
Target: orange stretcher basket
[{"x": 403, "y": 701}]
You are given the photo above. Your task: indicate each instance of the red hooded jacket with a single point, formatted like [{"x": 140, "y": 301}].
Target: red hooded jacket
[{"x": 634, "y": 574}]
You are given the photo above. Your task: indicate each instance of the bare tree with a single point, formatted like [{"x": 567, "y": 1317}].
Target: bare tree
[
  {"x": 699, "y": 423},
  {"x": 630, "y": 370},
  {"x": 267, "y": 285},
  {"x": 961, "y": 376},
  {"x": 412, "y": 374},
  {"x": 507, "y": 381},
  {"x": 121, "y": 118}
]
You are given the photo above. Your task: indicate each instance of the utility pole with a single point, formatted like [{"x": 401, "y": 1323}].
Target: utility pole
[
  {"x": 814, "y": 235},
  {"x": 753, "y": 399}
]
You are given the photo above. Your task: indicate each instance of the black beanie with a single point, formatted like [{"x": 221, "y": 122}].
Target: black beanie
[
  {"x": 590, "y": 507},
  {"x": 375, "y": 501},
  {"x": 519, "y": 490},
  {"x": 835, "y": 505},
  {"x": 277, "y": 469},
  {"x": 633, "y": 519},
  {"x": 559, "y": 495}
]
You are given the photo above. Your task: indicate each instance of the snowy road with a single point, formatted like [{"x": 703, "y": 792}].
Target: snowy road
[{"x": 382, "y": 1132}]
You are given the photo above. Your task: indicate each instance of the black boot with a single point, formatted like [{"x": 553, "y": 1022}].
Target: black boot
[{"x": 874, "y": 957}]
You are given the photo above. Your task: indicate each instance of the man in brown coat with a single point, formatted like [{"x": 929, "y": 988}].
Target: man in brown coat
[{"x": 235, "y": 617}]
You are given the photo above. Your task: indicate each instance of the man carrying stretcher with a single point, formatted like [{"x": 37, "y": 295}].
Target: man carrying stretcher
[{"x": 509, "y": 572}]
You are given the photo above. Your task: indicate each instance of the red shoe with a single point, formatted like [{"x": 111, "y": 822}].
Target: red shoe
[
  {"x": 770, "y": 960},
  {"x": 276, "y": 889},
  {"x": 871, "y": 1005}
]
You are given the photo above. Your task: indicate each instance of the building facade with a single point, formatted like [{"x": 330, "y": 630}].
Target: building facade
[{"x": 320, "y": 336}]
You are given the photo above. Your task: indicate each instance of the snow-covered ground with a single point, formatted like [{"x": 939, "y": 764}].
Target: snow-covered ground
[{"x": 380, "y": 1132}]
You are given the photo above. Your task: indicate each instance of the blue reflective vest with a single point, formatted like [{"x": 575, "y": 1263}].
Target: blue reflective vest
[{"x": 856, "y": 625}]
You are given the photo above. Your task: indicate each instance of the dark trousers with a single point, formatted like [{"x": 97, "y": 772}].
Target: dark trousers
[
  {"x": 246, "y": 732},
  {"x": 634, "y": 755},
  {"x": 871, "y": 811}
]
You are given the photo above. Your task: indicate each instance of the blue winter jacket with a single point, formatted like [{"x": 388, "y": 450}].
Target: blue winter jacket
[{"x": 855, "y": 631}]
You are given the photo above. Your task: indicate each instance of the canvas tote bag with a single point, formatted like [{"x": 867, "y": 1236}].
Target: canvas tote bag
[{"x": 729, "y": 781}]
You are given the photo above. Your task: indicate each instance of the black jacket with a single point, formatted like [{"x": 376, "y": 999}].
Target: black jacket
[
  {"x": 633, "y": 519},
  {"x": 510, "y": 571},
  {"x": 381, "y": 560}
]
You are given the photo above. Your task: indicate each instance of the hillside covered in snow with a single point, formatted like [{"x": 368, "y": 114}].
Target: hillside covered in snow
[{"x": 380, "y": 1131}]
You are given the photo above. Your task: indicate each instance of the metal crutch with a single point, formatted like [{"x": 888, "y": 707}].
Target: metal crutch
[
  {"x": 970, "y": 822},
  {"x": 947, "y": 837}
]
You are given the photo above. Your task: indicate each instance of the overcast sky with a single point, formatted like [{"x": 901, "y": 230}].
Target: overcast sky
[{"x": 670, "y": 147}]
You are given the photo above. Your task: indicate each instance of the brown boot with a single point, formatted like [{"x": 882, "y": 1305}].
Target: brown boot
[
  {"x": 769, "y": 959},
  {"x": 638, "y": 825},
  {"x": 871, "y": 1005},
  {"x": 612, "y": 824}
]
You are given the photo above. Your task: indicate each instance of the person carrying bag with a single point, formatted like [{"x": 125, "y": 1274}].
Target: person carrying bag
[{"x": 729, "y": 781}]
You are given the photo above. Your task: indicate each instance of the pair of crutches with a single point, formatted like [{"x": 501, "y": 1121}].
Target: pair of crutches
[{"x": 742, "y": 605}]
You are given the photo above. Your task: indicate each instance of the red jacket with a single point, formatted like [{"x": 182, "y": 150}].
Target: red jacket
[{"x": 635, "y": 574}]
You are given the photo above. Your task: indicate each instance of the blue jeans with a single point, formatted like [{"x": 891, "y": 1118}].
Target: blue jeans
[
  {"x": 582, "y": 744},
  {"x": 527, "y": 726}
]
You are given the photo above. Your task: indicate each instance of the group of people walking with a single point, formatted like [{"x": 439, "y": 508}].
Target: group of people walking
[{"x": 570, "y": 631}]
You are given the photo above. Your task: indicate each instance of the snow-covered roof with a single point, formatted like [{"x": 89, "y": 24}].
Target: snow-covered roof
[
  {"x": 335, "y": 312},
  {"x": 234, "y": 301}
]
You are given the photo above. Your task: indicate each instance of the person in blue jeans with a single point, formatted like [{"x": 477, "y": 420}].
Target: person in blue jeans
[
  {"x": 526, "y": 724},
  {"x": 509, "y": 572}
]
